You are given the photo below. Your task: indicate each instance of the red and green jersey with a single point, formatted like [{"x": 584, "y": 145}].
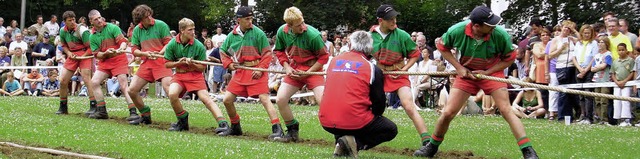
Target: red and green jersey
[
  {"x": 478, "y": 54},
  {"x": 394, "y": 47},
  {"x": 298, "y": 49},
  {"x": 193, "y": 49},
  {"x": 109, "y": 37},
  {"x": 242, "y": 47},
  {"x": 153, "y": 38},
  {"x": 77, "y": 45}
]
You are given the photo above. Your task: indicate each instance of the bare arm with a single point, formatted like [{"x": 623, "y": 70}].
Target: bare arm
[
  {"x": 540, "y": 102},
  {"x": 517, "y": 100}
]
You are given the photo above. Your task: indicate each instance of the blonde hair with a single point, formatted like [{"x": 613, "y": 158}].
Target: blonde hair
[
  {"x": 4, "y": 48},
  {"x": 292, "y": 14},
  {"x": 184, "y": 23}
]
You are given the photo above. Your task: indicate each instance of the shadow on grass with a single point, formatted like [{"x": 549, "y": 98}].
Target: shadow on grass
[{"x": 306, "y": 142}]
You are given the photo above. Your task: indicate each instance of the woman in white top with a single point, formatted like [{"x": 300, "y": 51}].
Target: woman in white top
[
  {"x": 561, "y": 49},
  {"x": 426, "y": 65},
  {"x": 584, "y": 51}
]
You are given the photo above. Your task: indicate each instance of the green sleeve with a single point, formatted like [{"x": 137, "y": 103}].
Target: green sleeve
[
  {"x": 280, "y": 40},
  {"x": 86, "y": 37},
  {"x": 169, "y": 53},
  {"x": 95, "y": 43},
  {"x": 164, "y": 30},
  {"x": 227, "y": 44},
  {"x": 115, "y": 31},
  {"x": 316, "y": 43},
  {"x": 505, "y": 41},
  {"x": 135, "y": 40},
  {"x": 409, "y": 45},
  {"x": 263, "y": 42},
  {"x": 447, "y": 40},
  {"x": 201, "y": 53}
]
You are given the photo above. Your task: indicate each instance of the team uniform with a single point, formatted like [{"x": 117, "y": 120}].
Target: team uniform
[
  {"x": 249, "y": 49},
  {"x": 110, "y": 38},
  {"x": 390, "y": 52},
  {"x": 77, "y": 45},
  {"x": 188, "y": 78},
  {"x": 153, "y": 38},
  {"x": 478, "y": 55},
  {"x": 301, "y": 52}
]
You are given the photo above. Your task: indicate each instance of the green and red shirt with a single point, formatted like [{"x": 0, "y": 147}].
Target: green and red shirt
[
  {"x": 153, "y": 38},
  {"x": 78, "y": 45},
  {"x": 478, "y": 54},
  {"x": 242, "y": 47},
  {"x": 299, "y": 49},
  {"x": 394, "y": 47},
  {"x": 109, "y": 37},
  {"x": 193, "y": 49}
]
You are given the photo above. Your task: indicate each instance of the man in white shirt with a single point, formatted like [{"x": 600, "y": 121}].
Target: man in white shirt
[
  {"x": 52, "y": 25},
  {"x": 18, "y": 43},
  {"x": 218, "y": 38},
  {"x": 2, "y": 28}
]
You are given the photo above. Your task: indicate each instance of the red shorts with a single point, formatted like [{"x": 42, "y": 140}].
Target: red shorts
[
  {"x": 392, "y": 85},
  {"x": 248, "y": 90},
  {"x": 72, "y": 65},
  {"x": 473, "y": 86},
  {"x": 115, "y": 71},
  {"x": 152, "y": 71},
  {"x": 311, "y": 81},
  {"x": 190, "y": 81}
]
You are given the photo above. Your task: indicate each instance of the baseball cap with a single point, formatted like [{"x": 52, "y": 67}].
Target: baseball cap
[
  {"x": 485, "y": 15},
  {"x": 386, "y": 12},
  {"x": 244, "y": 11}
]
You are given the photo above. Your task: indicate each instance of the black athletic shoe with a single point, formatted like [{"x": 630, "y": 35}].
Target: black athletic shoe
[
  {"x": 428, "y": 150},
  {"x": 235, "y": 130},
  {"x": 101, "y": 113},
  {"x": 181, "y": 125},
  {"x": 133, "y": 115},
  {"x": 292, "y": 134},
  {"x": 276, "y": 130},
  {"x": 348, "y": 146},
  {"x": 222, "y": 127},
  {"x": 92, "y": 109},
  {"x": 529, "y": 153},
  {"x": 146, "y": 120},
  {"x": 62, "y": 109}
]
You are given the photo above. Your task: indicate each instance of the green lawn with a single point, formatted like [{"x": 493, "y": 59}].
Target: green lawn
[{"x": 31, "y": 121}]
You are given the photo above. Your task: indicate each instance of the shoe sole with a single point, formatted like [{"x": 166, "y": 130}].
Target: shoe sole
[{"x": 351, "y": 148}]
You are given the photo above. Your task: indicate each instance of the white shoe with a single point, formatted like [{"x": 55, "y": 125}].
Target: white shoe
[
  {"x": 585, "y": 122},
  {"x": 624, "y": 124},
  {"x": 638, "y": 124}
]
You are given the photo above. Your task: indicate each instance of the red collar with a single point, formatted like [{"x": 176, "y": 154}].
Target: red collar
[
  {"x": 468, "y": 30},
  {"x": 153, "y": 22},
  {"x": 66, "y": 28},
  {"x": 180, "y": 42},
  {"x": 236, "y": 28},
  {"x": 373, "y": 28},
  {"x": 104, "y": 24},
  {"x": 286, "y": 28}
]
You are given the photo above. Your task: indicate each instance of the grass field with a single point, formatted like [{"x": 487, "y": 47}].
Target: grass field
[{"x": 31, "y": 121}]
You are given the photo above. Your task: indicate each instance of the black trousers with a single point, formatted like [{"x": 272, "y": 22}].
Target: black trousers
[
  {"x": 586, "y": 102},
  {"x": 379, "y": 130},
  {"x": 567, "y": 103}
]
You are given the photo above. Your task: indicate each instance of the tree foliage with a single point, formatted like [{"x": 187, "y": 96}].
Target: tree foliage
[
  {"x": 205, "y": 13},
  {"x": 432, "y": 17},
  {"x": 553, "y": 12}
]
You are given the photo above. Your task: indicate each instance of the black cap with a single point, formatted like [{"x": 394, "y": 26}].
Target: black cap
[
  {"x": 484, "y": 15},
  {"x": 244, "y": 11},
  {"x": 386, "y": 12}
]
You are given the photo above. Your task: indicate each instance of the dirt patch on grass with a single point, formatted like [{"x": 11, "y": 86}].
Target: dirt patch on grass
[
  {"x": 14, "y": 152},
  {"x": 307, "y": 142}
]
